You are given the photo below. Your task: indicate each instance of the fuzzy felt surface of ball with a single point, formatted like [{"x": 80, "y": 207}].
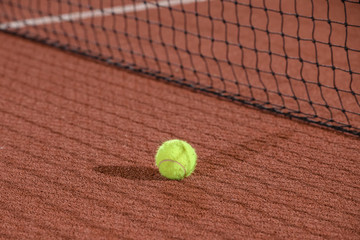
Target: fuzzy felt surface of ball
[{"x": 176, "y": 159}]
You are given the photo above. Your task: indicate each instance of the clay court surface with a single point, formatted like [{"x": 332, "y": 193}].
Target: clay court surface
[{"x": 77, "y": 145}]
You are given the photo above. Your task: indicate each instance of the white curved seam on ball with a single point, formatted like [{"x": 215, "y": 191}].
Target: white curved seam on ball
[{"x": 170, "y": 160}]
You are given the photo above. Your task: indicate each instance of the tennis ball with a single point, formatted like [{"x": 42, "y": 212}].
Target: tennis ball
[{"x": 176, "y": 159}]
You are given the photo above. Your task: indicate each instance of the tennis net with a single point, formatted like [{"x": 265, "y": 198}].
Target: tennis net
[{"x": 296, "y": 58}]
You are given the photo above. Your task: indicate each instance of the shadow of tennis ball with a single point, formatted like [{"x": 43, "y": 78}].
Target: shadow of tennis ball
[{"x": 130, "y": 172}]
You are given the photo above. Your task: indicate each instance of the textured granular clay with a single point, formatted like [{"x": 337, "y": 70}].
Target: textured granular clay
[{"x": 78, "y": 140}]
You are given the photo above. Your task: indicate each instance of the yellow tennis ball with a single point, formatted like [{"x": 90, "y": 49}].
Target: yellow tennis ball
[{"x": 176, "y": 159}]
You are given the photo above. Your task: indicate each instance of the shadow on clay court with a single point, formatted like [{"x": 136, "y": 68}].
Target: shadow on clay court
[{"x": 130, "y": 172}]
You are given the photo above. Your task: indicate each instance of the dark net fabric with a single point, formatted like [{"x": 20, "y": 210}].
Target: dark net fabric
[{"x": 297, "y": 58}]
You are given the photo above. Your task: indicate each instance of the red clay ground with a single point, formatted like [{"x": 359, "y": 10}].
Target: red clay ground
[
  {"x": 77, "y": 140},
  {"x": 304, "y": 70}
]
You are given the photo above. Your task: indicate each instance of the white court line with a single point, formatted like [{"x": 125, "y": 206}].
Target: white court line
[{"x": 93, "y": 13}]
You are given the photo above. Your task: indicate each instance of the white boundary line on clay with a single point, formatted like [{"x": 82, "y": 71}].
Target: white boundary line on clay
[{"x": 94, "y": 13}]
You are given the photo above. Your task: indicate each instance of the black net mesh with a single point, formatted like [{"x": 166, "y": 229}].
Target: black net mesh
[{"x": 298, "y": 58}]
